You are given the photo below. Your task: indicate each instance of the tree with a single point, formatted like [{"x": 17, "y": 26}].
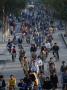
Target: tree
[
  {"x": 59, "y": 5},
  {"x": 2, "y": 2},
  {"x": 7, "y": 7},
  {"x": 12, "y": 6}
]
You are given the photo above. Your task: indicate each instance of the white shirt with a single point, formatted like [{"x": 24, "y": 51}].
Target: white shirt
[
  {"x": 47, "y": 45},
  {"x": 39, "y": 62}
]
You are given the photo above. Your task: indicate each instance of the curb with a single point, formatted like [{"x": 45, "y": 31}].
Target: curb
[{"x": 64, "y": 40}]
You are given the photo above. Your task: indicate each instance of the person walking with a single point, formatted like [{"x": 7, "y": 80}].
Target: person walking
[
  {"x": 39, "y": 62},
  {"x": 33, "y": 50},
  {"x": 22, "y": 85},
  {"x": 9, "y": 46},
  {"x": 25, "y": 64},
  {"x": 63, "y": 66},
  {"x": 13, "y": 53},
  {"x": 12, "y": 82},
  {"x": 47, "y": 85},
  {"x": 54, "y": 81},
  {"x": 64, "y": 79},
  {"x": 55, "y": 49},
  {"x": 2, "y": 83}
]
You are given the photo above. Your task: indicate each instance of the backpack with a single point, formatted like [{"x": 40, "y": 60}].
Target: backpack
[{"x": 2, "y": 83}]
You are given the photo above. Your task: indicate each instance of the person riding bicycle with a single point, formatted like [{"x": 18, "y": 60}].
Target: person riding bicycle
[{"x": 55, "y": 49}]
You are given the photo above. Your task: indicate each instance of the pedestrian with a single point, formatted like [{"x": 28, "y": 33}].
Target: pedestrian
[
  {"x": 14, "y": 40},
  {"x": 34, "y": 67},
  {"x": 47, "y": 85},
  {"x": 52, "y": 68},
  {"x": 40, "y": 64},
  {"x": 41, "y": 79},
  {"x": 48, "y": 45},
  {"x": 43, "y": 53},
  {"x": 34, "y": 78},
  {"x": 12, "y": 82},
  {"x": 13, "y": 53},
  {"x": 33, "y": 50},
  {"x": 28, "y": 39},
  {"x": 54, "y": 81},
  {"x": 64, "y": 79},
  {"x": 55, "y": 49},
  {"x": 29, "y": 80},
  {"x": 2, "y": 83},
  {"x": 20, "y": 42},
  {"x": 21, "y": 55},
  {"x": 50, "y": 62},
  {"x": 22, "y": 85},
  {"x": 50, "y": 38},
  {"x": 25, "y": 64},
  {"x": 9, "y": 45},
  {"x": 63, "y": 66}
]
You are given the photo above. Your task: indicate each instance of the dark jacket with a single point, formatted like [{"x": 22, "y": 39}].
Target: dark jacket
[
  {"x": 62, "y": 68},
  {"x": 19, "y": 40},
  {"x": 2, "y": 84},
  {"x": 54, "y": 80},
  {"x": 55, "y": 48},
  {"x": 33, "y": 49},
  {"x": 22, "y": 86},
  {"x": 64, "y": 76},
  {"x": 47, "y": 85}
]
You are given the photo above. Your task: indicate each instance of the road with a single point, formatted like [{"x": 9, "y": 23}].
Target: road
[{"x": 7, "y": 67}]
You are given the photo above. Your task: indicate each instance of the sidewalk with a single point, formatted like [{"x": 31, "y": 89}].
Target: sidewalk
[
  {"x": 7, "y": 67},
  {"x": 64, "y": 38},
  {"x": 62, "y": 52},
  {"x": 16, "y": 69}
]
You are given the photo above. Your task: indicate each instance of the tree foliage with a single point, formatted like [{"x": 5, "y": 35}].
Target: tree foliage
[
  {"x": 59, "y": 5},
  {"x": 11, "y": 6}
]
